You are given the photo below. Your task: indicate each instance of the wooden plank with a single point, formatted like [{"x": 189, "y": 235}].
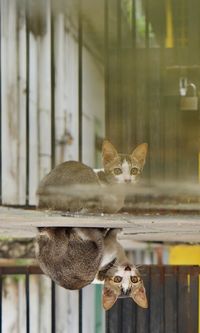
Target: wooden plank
[
  {"x": 39, "y": 101},
  {"x": 113, "y": 128},
  {"x": 19, "y": 219},
  {"x": 128, "y": 103},
  {"x": 88, "y": 312},
  {"x": 157, "y": 300},
  {"x": 9, "y": 99},
  {"x": 155, "y": 114},
  {"x": 44, "y": 92},
  {"x": 181, "y": 237},
  {"x": 194, "y": 300},
  {"x": 33, "y": 119},
  {"x": 66, "y": 310},
  {"x": 60, "y": 106},
  {"x": 93, "y": 105},
  {"x": 170, "y": 296},
  {"x": 72, "y": 311},
  {"x": 183, "y": 301},
  {"x": 35, "y": 303},
  {"x": 22, "y": 98},
  {"x": 71, "y": 91},
  {"x": 141, "y": 95},
  {"x": 45, "y": 304},
  {"x": 129, "y": 315},
  {"x": 114, "y": 318},
  {"x": 143, "y": 315}
]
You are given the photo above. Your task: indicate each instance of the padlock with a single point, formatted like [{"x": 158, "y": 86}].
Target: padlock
[{"x": 189, "y": 102}]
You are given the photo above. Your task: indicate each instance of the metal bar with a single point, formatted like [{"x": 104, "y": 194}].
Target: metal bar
[
  {"x": 80, "y": 79},
  {"x": 53, "y": 308},
  {"x": 15, "y": 270},
  {"x": 52, "y": 95},
  {"x": 27, "y": 103},
  {"x": 33, "y": 269},
  {"x": 27, "y": 303},
  {"x": 80, "y": 313}
]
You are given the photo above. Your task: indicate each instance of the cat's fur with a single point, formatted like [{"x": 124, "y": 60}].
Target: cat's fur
[
  {"x": 73, "y": 173},
  {"x": 73, "y": 257}
]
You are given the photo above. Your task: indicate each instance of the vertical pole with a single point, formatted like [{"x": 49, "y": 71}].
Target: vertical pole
[
  {"x": 27, "y": 303},
  {"x": 0, "y": 302},
  {"x": 121, "y": 115},
  {"x": 80, "y": 308},
  {"x": 132, "y": 125},
  {"x": 147, "y": 65},
  {"x": 52, "y": 95},
  {"x": 0, "y": 118},
  {"x": 27, "y": 104},
  {"x": 53, "y": 308},
  {"x": 106, "y": 62},
  {"x": 80, "y": 78}
]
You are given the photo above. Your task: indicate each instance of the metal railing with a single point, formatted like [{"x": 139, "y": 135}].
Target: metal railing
[{"x": 172, "y": 291}]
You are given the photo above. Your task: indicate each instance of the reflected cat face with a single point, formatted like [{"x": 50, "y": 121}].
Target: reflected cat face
[
  {"x": 122, "y": 168},
  {"x": 125, "y": 281}
]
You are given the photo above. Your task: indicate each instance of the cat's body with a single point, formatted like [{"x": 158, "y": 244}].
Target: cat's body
[
  {"x": 69, "y": 256},
  {"x": 118, "y": 169},
  {"x": 73, "y": 257}
]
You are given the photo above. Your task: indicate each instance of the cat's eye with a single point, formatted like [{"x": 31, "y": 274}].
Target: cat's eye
[
  {"x": 135, "y": 279},
  {"x": 117, "y": 279},
  {"x": 134, "y": 171},
  {"x": 117, "y": 171}
]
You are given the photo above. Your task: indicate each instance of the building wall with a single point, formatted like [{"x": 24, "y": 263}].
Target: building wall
[{"x": 40, "y": 93}]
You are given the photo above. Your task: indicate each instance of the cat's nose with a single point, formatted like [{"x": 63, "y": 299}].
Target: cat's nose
[
  {"x": 127, "y": 180},
  {"x": 127, "y": 268}
]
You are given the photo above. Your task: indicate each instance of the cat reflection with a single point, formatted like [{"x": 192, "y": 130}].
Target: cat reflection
[{"x": 74, "y": 257}]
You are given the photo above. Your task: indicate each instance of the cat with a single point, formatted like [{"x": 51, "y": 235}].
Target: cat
[
  {"x": 73, "y": 257},
  {"x": 118, "y": 169}
]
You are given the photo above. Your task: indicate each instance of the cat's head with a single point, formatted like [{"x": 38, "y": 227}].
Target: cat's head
[
  {"x": 123, "y": 281},
  {"x": 123, "y": 168}
]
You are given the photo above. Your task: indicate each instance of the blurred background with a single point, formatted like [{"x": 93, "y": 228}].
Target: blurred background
[{"x": 72, "y": 73}]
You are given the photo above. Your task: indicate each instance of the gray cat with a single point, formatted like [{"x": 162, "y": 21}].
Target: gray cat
[
  {"x": 73, "y": 257},
  {"x": 118, "y": 169}
]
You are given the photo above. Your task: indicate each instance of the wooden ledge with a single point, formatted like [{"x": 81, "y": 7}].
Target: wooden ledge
[{"x": 17, "y": 222}]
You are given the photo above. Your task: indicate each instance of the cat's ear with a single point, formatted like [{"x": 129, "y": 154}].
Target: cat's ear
[
  {"x": 140, "y": 297},
  {"x": 139, "y": 153},
  {"x": 109, "y": 298},
  {"x": 109, "y": 153}
]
